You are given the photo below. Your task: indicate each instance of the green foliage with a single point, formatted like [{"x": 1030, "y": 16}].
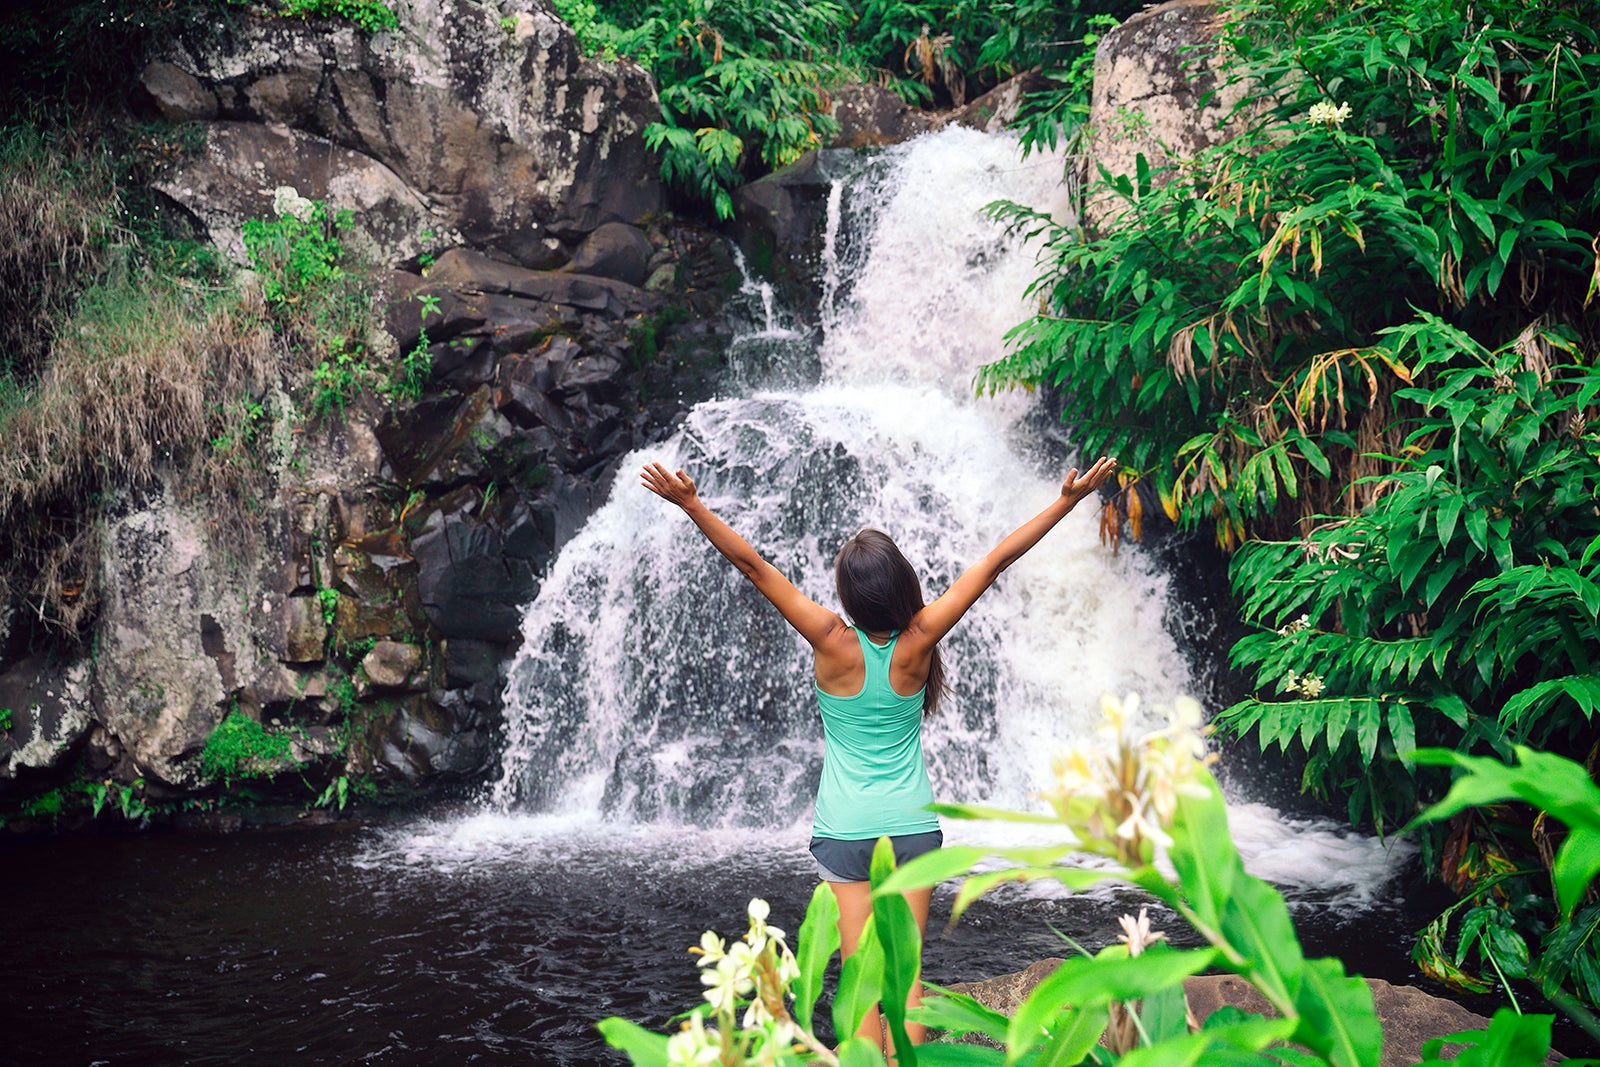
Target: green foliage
[
  {"x": 1569, "y": 956},
  {"x": 5, "y": 720},
  {"x": 1459, "y": 608},
  {"x": 241, "y": 748},
  {"x": 328, "y": 600},
  {"x": 1231, "y": 331},
  {"x": 1358, "y": 341},
  {"x": 744, "y": 85},
  {"x": 736, "y": 92},
  {"x": 297, "y": 253},
  {"x": 49, "y": 804},
  {"x": 960, "y": 49},
  {"x": 129, "y": 803},
  {"x": 370, "y": 15},
  {"x": 319, "y": 292}
]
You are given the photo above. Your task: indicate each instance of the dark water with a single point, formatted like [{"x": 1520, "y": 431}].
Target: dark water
[{"x": 491, "y": 942}]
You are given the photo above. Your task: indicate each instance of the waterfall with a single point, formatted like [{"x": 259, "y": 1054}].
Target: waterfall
[{"x": 655, "y": 685}]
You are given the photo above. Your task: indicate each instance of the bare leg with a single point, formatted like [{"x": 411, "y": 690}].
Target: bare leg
[{"x": 855, "y": 904}]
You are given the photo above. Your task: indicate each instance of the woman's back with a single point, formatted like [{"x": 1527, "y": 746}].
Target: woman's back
[{"x": 874, "y": 778}]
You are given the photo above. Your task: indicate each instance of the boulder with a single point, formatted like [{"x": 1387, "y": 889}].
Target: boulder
[
  {"x": 175, "y": 639},
  {"x": 1157, "y": 92},
  {"x": 425, "y": 740},
  {"x": 464, "y": 270},
  {"x": 49, "y": 713},
  {"x": 391, "y": 665},
  {"x": 614, "y": 250},
  {"x": 413, "y": 304},
  {"x": 376, "y": 594},
  {"x": 233, "y": 179},
  {"x": 305, "y": 630},
  {"x": 469, "y": 586},
  {"x": 496, "y": 121},
  {"x": 1410, "y": 1016},
  {"x": 871, "y": 115},
  {"x": 778, "y": 222}
]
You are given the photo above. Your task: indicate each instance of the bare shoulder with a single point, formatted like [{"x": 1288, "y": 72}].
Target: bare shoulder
[
  {"x": 916, "y": 636},
  {"x": 838, "y": 637}
]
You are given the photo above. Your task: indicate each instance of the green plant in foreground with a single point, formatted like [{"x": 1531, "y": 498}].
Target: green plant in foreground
[{"x": 1122, "y": 1005}]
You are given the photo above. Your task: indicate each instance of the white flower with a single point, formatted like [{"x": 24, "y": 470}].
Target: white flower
[
  {"x": 1294, "y": 626},
  {"x": 728, "y": 980},
  {"x": 711, "y": 949},
  {"x": 1136, "y": 933},
  {"x": 1312, "y": 685},
  {"x": 286, "y": 200},
  {"x": 693, "y": 1045},
  {"x": 788, "y": 968},
  {"x": 1121, "y": 791},
  {"x": 1327, "y": 114}
]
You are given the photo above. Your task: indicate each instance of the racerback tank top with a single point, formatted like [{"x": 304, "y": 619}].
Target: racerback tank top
[{"x": 874, "y": 777}]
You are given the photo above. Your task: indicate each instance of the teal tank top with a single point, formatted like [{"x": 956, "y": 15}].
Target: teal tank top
[{"x": 874, "y": 777}]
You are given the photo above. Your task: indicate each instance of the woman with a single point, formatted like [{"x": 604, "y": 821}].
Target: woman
[{"x": 874, "y": 679}]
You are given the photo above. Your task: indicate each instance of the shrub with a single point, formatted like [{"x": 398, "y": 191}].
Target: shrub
[
  {"x": 241, "y": 748},
  {"x": 1229, "y": 334}
]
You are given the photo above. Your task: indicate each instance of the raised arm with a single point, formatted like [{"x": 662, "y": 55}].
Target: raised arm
[
  {"x": 813, "y": 621},
  {"x": 938, "y": 618}
]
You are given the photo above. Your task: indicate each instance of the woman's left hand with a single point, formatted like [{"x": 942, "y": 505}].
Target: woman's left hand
[{"x": 674, "y": 487}]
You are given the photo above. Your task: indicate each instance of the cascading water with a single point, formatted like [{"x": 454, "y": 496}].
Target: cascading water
[{"x": 654, "y": 684}]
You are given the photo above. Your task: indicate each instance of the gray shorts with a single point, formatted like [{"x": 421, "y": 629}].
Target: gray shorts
[{"x": 851, "y": 861}]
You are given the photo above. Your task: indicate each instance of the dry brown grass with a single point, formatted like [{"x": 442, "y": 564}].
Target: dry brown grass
[
  {"x": 135, "y": 378},
  {"x": 139, "y": 377},
  {"x": 58, "y": 210}
]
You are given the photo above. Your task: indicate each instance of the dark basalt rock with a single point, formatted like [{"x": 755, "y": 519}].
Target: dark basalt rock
[{"x": 614, "y": 250}]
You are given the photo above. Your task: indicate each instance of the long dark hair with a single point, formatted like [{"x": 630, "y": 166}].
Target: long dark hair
[{"x": 880, "y": 592}]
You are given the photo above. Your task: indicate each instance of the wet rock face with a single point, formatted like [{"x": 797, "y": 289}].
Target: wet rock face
[{"x": 467, "y": 124}]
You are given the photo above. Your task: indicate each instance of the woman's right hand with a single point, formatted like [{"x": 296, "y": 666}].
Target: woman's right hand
[
  {"x": 1075, "y": 487},
  {"x": 674, "y": 487}
]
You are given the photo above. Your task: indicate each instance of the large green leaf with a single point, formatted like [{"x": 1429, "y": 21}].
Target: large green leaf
[
  {"x": 644, "y": 1047},
  {"x": 960, "y": 1014},
  {"x": 897, "y": 932},
  {"x": 1255, "y": 924},
  {"x": 818, "y": 941},
  {"x": 860, "y": 982},
  {"x": 1203, "y": 852},
  {"x": 1337, "y": 1016},
  {"x": 1091, "y": 983}
]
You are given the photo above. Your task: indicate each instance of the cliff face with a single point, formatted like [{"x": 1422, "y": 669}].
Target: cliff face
[{"x": 359, "y": 607}]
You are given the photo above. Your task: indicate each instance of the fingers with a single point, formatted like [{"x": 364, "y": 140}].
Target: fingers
[
  {"x": 1081, "y": 485},
  {"x": 675, "y": 487}
]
